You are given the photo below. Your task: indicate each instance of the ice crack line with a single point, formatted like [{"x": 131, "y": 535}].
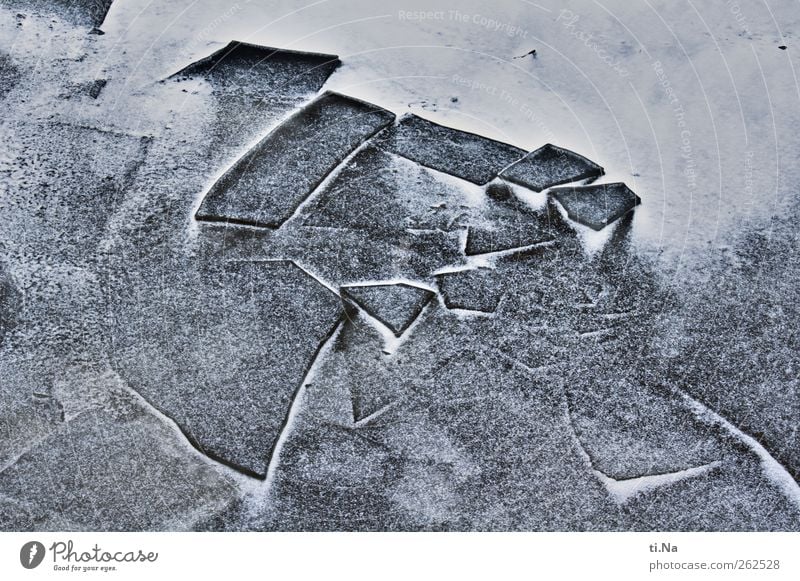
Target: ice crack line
[{"x": 773, "y": 470}]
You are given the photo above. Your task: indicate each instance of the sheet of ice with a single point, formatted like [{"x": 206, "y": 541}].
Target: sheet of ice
[{"x": 665, "y": 67}]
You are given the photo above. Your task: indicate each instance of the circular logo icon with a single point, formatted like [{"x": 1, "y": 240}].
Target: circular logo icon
[{"x": 31, "y": 554}]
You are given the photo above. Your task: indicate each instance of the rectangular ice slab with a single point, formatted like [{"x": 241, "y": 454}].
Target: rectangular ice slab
[
  {"x": 458, "y": 153},
  {"x": 266, "y": 185},
  {"x": 597, "y": 206},
  {"x": 551, "y": 166},
  {"x": 264, "y": 71}
]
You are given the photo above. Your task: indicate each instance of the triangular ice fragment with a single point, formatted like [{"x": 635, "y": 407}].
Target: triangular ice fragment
[{"x": 394, "y": 305}]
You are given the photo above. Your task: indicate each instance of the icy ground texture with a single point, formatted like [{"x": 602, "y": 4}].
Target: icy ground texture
[{"x": 233, "y": 299}]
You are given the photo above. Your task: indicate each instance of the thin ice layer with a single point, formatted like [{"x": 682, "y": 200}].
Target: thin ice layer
[
  {"x": 270, "y": 181},
  {"x": 464, "y": 155},
  {"x": 551, "y": 166},
  {"x": 394, "y": 305},
  {"x": 597, "y": 206}
]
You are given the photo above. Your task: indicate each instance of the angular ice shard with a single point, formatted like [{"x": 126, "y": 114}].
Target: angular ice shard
[
  {"x": 394, "y": 305},
  {"x": 270, "y": 181},
  {"x": 247, "y": 67},
  {"x": 551, "y": 166},
  {"x": 597, "y": 206},
  {"x": 465, "y": 155},
  {"x": 228, "y": 373}
]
